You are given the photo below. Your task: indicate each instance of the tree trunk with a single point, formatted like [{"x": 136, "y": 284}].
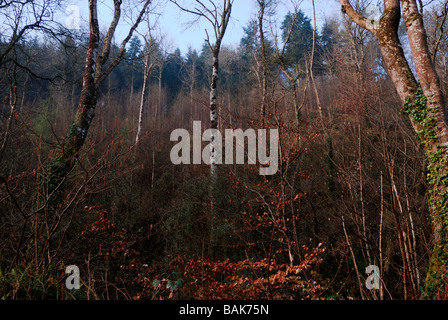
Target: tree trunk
[
  {"x": 214, "y": 112},
  {"x": 425, "y": 105},
  {"x": 159, "y": 98},
  {"x": 74, "y": 140},
  {"x": 94, "y": 75},
  {"x": 264, "y": 85},
  {"x": 147, "y": 70},
  {"x": 434, "y": 134}
]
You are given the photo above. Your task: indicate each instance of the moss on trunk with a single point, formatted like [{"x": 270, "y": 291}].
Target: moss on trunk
[{"x": 424, "y": 112}]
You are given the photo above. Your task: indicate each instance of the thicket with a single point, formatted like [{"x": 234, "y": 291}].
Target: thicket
[{"x": 350, "y": 192}]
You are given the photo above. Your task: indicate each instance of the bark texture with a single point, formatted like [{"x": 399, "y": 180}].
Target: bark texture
[
  {"x": 214, "y": 110},
  {"x": 424, "y": 103},
  {"x": 220, "y": 23}
]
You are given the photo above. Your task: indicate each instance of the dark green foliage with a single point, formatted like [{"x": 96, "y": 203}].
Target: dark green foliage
[
  {"x": 171, "y": 75},
  {"x": 300, "y": 32}
]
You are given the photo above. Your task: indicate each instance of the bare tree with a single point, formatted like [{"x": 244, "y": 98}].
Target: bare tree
[
  {"x": 292, "y": 74},
  {"x": 425, "y": 104},
  {"x": 148, "y": 66},
  {"x": 439, "y": 20},
  {"x": 265, "y": 7},
  {"x": 95, "y": 72},
  {"x": 311, "y": 67},
  {"x": 13, "y": 100},
  {"x": 19, "y": 18},
  {"x": 218, "y": 16}
]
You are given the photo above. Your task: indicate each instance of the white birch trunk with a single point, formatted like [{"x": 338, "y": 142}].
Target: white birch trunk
[{"x": 147, "y": 71}]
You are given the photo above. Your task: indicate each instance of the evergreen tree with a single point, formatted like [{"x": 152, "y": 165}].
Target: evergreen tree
[
  {"x": 297, "y": 31},
  {"x": 171, "y": 75}
]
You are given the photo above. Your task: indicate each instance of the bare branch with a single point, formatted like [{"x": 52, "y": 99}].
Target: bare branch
[
  {"x": 100, "y": 78},
  {"x": 356, "y": 17}
]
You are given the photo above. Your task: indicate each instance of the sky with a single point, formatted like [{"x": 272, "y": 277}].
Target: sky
[{"x": 174, "y": 24}]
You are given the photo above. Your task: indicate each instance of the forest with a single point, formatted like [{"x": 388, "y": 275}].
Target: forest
[{"x": 93, "y": 207}]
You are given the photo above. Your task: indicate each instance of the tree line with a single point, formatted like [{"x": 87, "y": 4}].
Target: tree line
[{"x": 86, "y": 177}]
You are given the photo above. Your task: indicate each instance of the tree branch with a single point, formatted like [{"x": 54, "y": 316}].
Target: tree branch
[{"x": 356, "y": 17}]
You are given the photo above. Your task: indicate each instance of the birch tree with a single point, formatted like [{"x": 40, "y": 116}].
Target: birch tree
[
  {"x": 148, "y": 66},
  {"x": 425, "y": 105},
  {"x": 218, "y": 16}
]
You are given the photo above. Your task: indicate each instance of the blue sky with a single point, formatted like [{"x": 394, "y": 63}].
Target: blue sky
[{"x": 173, "y": 23}]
